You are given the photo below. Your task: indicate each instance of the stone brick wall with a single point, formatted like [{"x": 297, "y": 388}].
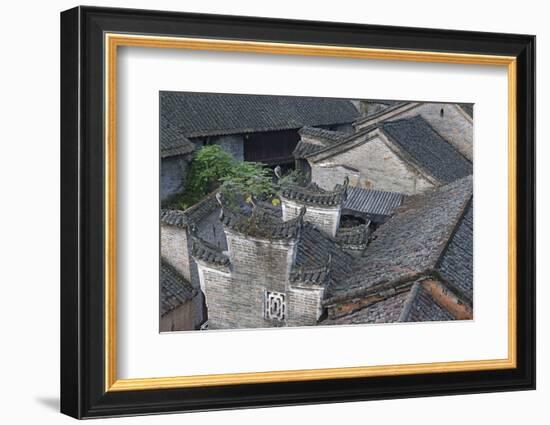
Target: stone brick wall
[
  {"x": 325, "y": 219},
  {"x": 175, "y": 249},
  {"x": 236, "y": 297},
  {"x": 267, "y": 262},
  {"x": 304, "y": 307},
  {"x": 379, "y": 168},
  {"x": 173, "y": 171},
  {"x": 326, "y": 178},
  {"x": 232, "y": 144}
]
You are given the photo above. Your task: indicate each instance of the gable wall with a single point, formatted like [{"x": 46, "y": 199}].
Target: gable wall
[
  {"x": 453, "y": 126},
  {"x": 379, "y": 168}
]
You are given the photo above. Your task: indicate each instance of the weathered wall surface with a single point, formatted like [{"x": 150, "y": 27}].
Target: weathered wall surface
[
  {"x": 269, "y": 261},
  {"x": 173, "y": 171},
  {"x": 179, "y": 319},
  {"x": 175, "y": 248},
  {"x": 335, "y": 174},
  {"x": 379, "y": 167},
  {"x": 232, "y": 144},
  {"x": 325, "y": 219},
  {"x": 304, "y": 306},
  {"x": 236, "y": 298},
  {"x": 453, "y": 126}
]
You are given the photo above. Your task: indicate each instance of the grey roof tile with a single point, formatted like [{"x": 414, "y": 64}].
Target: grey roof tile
[
  {"x": 194, "y": 214},
  {"x": 410, "y": 243},
  {"x": 209, "y": 114},
  {"x": 384, "y": 311},
  {"x": 422, "y": 307},
  {"x": 427, "y": 148},
  {"x": 314, "y": 249},
  {"x": 312, "y": 194},
  {"x": 456, "y": 264},
  {"x": 174, "y": 289},
  {"x": 261, "y": 223},
  {"x": 208, "y": 253},
  {"x": 373, "y": 202}
]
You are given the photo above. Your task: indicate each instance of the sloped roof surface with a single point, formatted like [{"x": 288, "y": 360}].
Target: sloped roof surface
[
  {"x": 428, "y": 149},
  {"x": 174, "y": 289},
  {"x": 314, "y": 249},
  {"x": 322, "y": 139},
  {"x": 422, "y": 307},
  {"x": 456, "y": 264},
  {"x": 210, "y": 114},
  {"x": 172, "y": 143},
  {"x": 371, "y": 201},
  {"x": 385, "y": 311},
  {"x": 411, "y": 242}
]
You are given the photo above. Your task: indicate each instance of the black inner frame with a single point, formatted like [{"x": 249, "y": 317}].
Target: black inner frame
[{"x": 82, "y": 206}]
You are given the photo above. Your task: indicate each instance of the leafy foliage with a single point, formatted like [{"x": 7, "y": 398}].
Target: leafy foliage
[
  {"x": 293, "y": 177},
  {"x": 248, "y": 180},
  {"x": 210, "y": 164},
  {"x": 212, "y": 167}
]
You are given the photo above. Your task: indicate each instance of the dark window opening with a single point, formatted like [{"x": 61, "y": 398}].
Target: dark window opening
[
  {"x": 274, "y": 147},
  {"x": 351, "y": 221}
]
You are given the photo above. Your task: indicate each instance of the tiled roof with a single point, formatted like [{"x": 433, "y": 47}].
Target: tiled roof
[
  {"x": 261, "y": 224},
  {"x": 194, "y": 214},
  {"x": 209, "y": 114},
  {"x": 410, "y": 243},
  {"x": 322, "y": 139},
  {"x": 175, "y": 290},
  {"x": 314, "y": 195},
  {"x": 384, "y": 311},
  {"x": 356, "y": 237},
  {"x": 427, "y": 148},
  {"x": 173, "y": 218},
  {"x": 415, "y": 304},
  {"x": 374, "y": 202},
  {"x": 314, "y": 250},
  {"x": 395, "y": 105},
  {"x": 456, "y": 264},
  {"x": 309, "y": 276},
  {"x": 422, "y": 307},
  {"x": 208, "y": 253},
  {"x": 172, "y": 143}
]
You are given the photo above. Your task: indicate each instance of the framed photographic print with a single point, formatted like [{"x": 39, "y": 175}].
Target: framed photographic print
[{"x": 261, "y": 212}]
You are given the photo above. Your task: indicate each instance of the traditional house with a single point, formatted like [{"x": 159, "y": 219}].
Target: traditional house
[
  {"x": 176, "y": 300},
  {"x": 249, "y": 127},
  {"x": 176, "y": 228},
  {"x": 403, "y": 155},
  {"x": 296, "y": 266},
  {"x": 176, "y": 154},
  {"x": 454, "y": 122}
]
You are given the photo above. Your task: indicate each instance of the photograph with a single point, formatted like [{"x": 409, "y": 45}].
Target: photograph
[{"x": 291, "y": 211}]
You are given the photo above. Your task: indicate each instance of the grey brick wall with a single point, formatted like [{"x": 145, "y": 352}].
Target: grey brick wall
[
  {"x": 325, "y": 219},
  {"x": 304, "y": 307},
  {"x": 175, "y": 248},
  {"x": 236, "y": 298},
  {"x": 232, "y": 144},
  {"x": 173, "y": 171},
  {"x": 379, "y": 168},
  {"x": 253, "y": 259}
]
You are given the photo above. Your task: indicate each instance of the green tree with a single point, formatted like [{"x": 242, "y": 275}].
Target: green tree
[
  {"x": 209, "y": 165},
  {"x": 248, "y": 180}
]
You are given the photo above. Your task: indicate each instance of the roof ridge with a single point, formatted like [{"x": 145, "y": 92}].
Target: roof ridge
[{"x": 312, "y": 194}]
